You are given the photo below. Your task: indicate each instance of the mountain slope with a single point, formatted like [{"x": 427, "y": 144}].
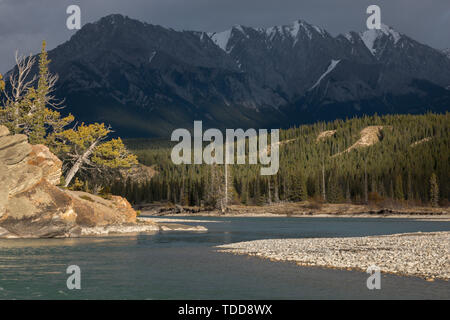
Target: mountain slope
[{"x": 138, "y": 72}]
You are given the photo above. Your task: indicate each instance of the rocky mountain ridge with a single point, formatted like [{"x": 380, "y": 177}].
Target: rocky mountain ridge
[{"x": 146, "y": 80}]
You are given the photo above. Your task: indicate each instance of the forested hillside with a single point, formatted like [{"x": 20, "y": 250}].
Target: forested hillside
[{"x": 400, "y": 158}]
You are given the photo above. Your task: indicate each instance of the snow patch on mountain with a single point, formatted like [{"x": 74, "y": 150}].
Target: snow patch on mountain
[
  {"x": 369, "y": 37},
  {"x": 221, "y": 38},
  {"x": 294, "y": 28},
  {"x": 152, "y": 56},
  {"x": 331, "y": 67},
  {"x": 320, "y": 30}
]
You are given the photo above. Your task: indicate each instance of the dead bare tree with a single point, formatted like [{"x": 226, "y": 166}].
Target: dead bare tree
[{"x": 20, "y": 81}]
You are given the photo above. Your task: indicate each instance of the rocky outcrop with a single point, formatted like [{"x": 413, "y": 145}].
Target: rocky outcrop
[
  {"x": 139, "y": 173},
  {"x": 95, "y": 211},
  {"x": 325, "y": 134},
  {"x": 369, "y": 136},
  {"x": 31, "y": 203}
]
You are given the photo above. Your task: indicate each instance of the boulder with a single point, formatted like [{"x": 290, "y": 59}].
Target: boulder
[
  {"x": 93, "y": 210},
  {"x": 31, "y": 203},
  {"x": 43, "y": 211}
]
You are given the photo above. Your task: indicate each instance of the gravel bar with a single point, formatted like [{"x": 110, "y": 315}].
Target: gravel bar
[{"x": 419, "y": 254}]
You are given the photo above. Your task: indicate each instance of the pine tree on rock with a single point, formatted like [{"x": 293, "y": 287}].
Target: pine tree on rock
[{"x": 85, "y": 146}]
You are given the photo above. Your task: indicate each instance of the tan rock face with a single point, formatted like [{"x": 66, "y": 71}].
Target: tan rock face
[
  {"x": 124, "y": 207},
  {"x": 4, "y": 190},
  {"x": 4, "y": 131},
  {"x": 43, "y": 211},
  {"x": 14, "y": 149},
  {"x": 41, "y": 157},
  {"x": 31, "y": 204}
]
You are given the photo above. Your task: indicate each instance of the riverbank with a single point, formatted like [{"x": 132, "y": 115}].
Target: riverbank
[
  {"x": 418, "y": 254},
  {"x": 303, "y": 209}
]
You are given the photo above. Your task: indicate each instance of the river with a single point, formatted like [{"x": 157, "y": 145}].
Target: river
[{"x": 186, "y": 265}]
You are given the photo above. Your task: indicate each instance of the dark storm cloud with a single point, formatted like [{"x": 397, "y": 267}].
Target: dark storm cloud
[{"x": 25, "y": 23}]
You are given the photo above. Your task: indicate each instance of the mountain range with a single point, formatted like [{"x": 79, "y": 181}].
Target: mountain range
[{"x": 146, "y": 80}]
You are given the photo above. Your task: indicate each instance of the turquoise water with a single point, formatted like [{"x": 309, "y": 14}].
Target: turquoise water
[{"x": 182, "y": 265}]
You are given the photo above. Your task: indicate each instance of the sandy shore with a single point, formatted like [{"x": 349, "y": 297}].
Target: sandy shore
[{"x": 419, "y": 254}]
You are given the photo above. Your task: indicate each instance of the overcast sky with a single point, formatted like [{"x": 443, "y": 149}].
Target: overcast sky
[{"x": 25, "y": 23}]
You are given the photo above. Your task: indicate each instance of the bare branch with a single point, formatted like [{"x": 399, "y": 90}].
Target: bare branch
[{"x": 19, "y": 80}]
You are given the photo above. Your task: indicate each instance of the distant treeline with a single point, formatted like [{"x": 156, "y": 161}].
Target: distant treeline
[{"x": 409, "y": 164}]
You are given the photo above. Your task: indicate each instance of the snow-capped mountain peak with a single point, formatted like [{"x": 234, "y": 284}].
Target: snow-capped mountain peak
[
  {"x": 370, "y": 37},
  {"x": 291, "y": 32},
  {"x": 294, "y": 29}
]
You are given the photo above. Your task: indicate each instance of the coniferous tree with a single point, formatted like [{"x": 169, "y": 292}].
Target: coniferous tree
[
  {"x": 334, "y": 192},
  {"x": 348, "y": 196},
  {"x": 398, "y": 191},
  {"x": 258, "y": 199},
  {"x": 434, "y": 190},
  {"x": 298, "y": 190}
]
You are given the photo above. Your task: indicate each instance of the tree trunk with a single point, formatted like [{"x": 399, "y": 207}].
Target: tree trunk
[
  {"x": 366, "y": 198},
  {"x": 225, "y": 199},
  {"x": 79, "y": 163},
  {"x": 276, "y": 194},
  {"x": 324, "y": 195}
]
